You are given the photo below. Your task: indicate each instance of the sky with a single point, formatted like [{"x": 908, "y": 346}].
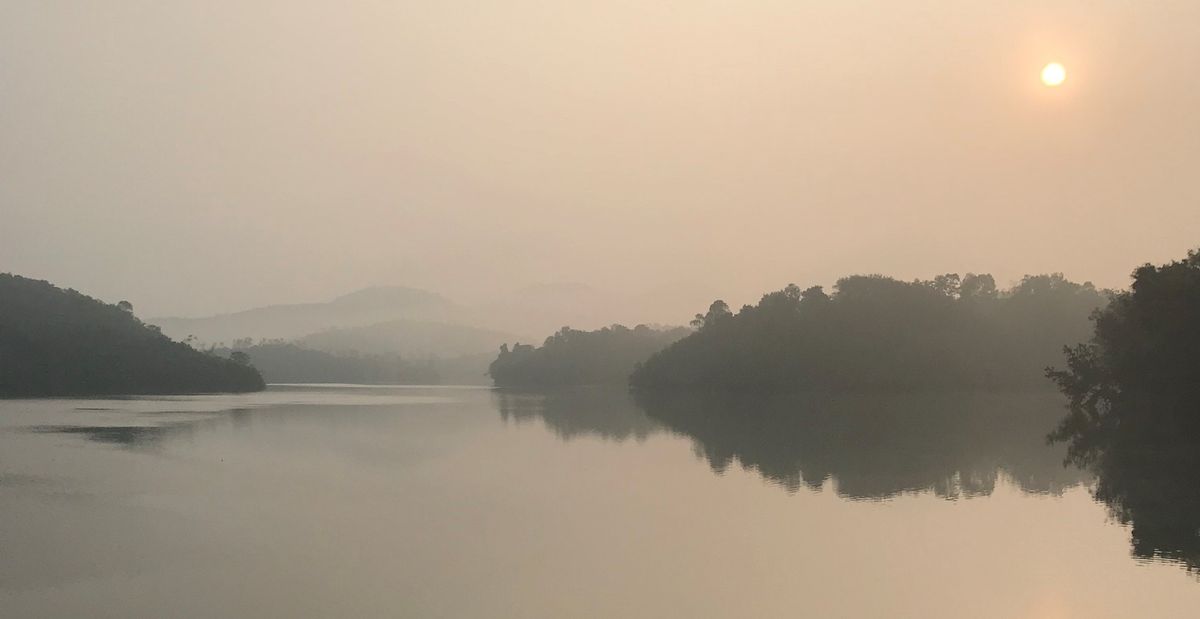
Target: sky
[{"x": 197, "y": 156}]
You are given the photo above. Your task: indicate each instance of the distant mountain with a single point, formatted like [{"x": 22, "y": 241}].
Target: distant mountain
[
  {"x": 410, "y": 338},
  {"x": 288, "y": 362},
  {"x": 524, "y": 314},
  {"x": 364, "y": 307},
  {"x": 56, "y": 342}
]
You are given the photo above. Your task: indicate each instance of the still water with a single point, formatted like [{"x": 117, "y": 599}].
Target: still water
[{"x": 447, "y": 502}]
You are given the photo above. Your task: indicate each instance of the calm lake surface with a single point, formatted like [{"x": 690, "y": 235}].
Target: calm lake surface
[{"x": 457, "y": 502}]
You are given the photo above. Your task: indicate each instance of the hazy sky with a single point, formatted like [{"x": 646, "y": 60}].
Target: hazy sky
[{"x": 206, "y": 156}]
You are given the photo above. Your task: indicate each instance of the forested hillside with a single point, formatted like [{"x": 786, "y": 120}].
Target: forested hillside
[{"x": 56, "y": 342}]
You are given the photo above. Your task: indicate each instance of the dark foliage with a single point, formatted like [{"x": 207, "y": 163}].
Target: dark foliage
[
  {"x": 1134, "y": 415},
  {"x": 56, "y": 342},
  {"x": 364, "y": 307},
  {"x": 878, "y": 333},
  {"x": 572, "y": 357}
]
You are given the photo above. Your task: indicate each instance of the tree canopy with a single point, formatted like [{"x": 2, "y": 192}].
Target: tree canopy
[
  {"x": 876, "y": 332},
  {"x": 1140, "y": 371}
]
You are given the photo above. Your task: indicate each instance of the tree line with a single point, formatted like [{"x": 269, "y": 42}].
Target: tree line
[
  {"x": 879, "y": 333},
  {"x": 575, "y": 357}
]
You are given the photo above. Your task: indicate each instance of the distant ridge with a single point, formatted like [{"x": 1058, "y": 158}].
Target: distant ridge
[
  {"x": 395, "y": 296},
  {"x": 360, "y": 308}
]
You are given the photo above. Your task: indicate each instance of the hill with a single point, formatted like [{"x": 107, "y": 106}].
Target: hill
[
  {"x": 56, "y": 342},
  {"x": 364, "y": 307}
]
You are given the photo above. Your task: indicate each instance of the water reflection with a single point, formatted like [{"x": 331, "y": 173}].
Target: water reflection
[
  {"x": 607, "y": 413},
  {"x": 952, "y": 445},
  {"x": 544, "y": 505},
  {"x": 862, "y": 446},
  {"x": 1157, "y": 493},
  {"x": 877, "y": 446},
  {"x": 870, "y": 446},
  {"x": 147, "y": 437},
  {"x": 122, "y": 436}
]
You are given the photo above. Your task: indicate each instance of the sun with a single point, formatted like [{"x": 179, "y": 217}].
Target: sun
[{"x": 1054, "y": 74}]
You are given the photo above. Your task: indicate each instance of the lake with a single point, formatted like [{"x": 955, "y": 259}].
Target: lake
[{"x": 340, "y": 501}]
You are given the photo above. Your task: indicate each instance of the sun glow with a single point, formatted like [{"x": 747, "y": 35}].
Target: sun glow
[{"x": 1054, "y": 74}]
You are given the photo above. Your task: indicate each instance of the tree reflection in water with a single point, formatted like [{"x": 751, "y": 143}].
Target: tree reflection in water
[
  {"x": 871, "y": 446},
  {"x": 876, "y": 446}
]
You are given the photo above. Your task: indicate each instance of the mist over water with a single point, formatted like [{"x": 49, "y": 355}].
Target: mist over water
[{"x": 334, "y": 501}]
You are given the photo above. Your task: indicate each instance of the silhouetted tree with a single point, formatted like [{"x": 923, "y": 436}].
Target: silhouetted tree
[
  {"x": 1140, "y": 373},
  {"x": 974, "y": 286},
  {"x": 1134, "y": 413},
  {"x": 947, "y": 284}
]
